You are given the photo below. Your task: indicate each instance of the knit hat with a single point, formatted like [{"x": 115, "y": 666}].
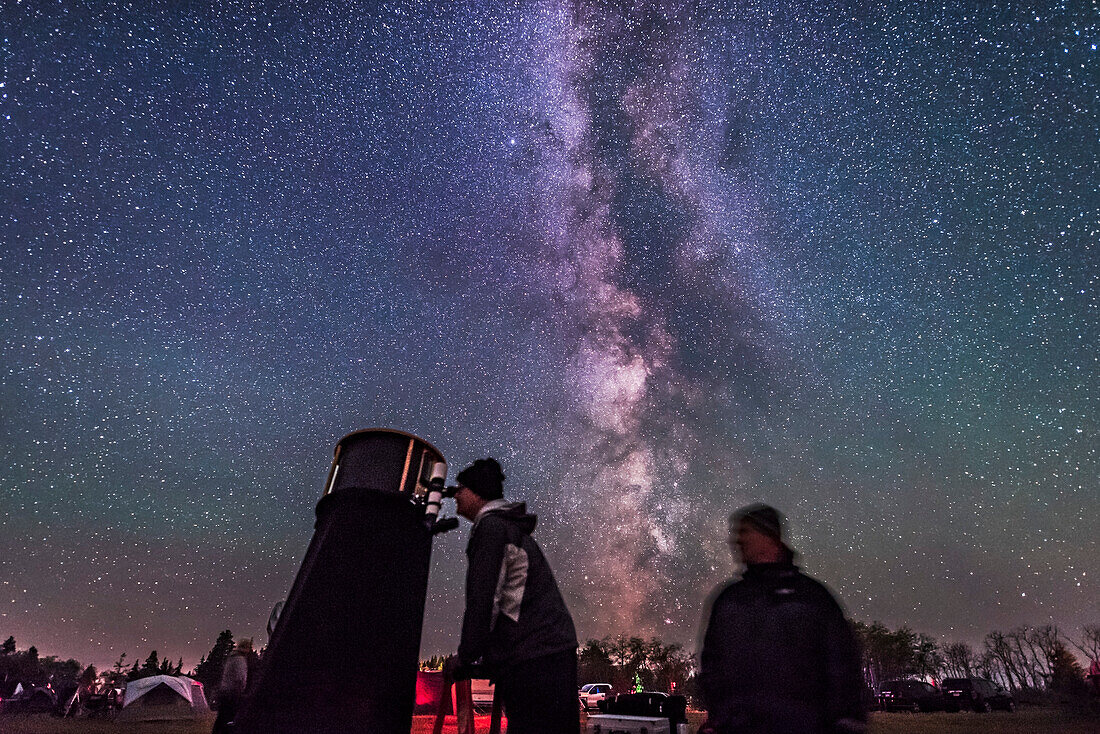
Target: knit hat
[
  {"x": 764, "y": 518},
  {"x": 484, "y": 478}
]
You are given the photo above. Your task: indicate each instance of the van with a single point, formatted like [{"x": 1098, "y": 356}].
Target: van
[{"x": 975, "y": 694}]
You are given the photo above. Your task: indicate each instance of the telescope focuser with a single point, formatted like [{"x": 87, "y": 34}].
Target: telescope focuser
[{"x": 437, "y": 491}]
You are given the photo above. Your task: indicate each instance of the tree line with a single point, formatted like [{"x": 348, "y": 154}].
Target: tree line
[
  {"x": 626, "y": 661},
  {"x": 31, "y": 669},
  {"x": 1040, "y": 659},
  {"x": 1025, "y": 658}
]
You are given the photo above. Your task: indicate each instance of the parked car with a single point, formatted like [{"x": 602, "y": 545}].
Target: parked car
[
  {"x": 976, "y": 694},
  {"x": 591, "y": 694},
  {"x": 910, "y": 695}
]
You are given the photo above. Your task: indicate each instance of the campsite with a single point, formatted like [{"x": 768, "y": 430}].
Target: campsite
[
  {"x": 163, "y": 698},
  {"x": 1024, "y": 721}
]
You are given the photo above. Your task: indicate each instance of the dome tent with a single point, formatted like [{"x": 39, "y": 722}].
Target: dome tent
[{"x": 161, "y": 697}]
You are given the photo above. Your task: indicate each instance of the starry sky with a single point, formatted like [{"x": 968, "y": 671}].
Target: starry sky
[{"x": 660, "y": 260}]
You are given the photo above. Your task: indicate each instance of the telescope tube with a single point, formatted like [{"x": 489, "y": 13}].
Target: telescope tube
[{"x": 344, "y": 653}]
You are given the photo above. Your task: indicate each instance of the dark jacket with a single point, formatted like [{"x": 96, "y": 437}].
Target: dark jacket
[
  {"x": 778, "y": 656},
  {"x": 514, "y": 611}
]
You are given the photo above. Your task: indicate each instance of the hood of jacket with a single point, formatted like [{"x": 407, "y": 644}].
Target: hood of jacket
[{"x": 513, "y": 512}]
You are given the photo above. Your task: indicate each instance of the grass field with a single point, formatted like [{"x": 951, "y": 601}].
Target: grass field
[{"x": 1024, "y": 721}]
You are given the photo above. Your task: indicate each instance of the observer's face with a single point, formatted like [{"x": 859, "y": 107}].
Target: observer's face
[
  {"x": 466, "y": 502},
  {"x": 753, "y": 545}
]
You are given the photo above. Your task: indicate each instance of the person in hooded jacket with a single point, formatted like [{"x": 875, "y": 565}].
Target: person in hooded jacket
[
  {"x": 516, "y": 625},
  {"x": 778, "y": 655}
]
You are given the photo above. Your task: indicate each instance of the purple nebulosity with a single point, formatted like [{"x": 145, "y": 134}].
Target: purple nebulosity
[{"x": 628, "y": 507}]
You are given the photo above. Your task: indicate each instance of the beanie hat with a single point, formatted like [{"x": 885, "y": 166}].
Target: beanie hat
[
  {"x": 764, "y": 518},
  {"x": 484, "y": 478}
]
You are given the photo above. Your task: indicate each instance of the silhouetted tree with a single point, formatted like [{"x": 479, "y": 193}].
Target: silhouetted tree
[
  {"x": 151, "y": 666},
  {"x": 1089, "y": 644},
  {"x": 1030, "y": 646},
  {"x": 1000, "y": 658},
  {"x": 959, "y": 660},
  {"x": 1025, "y": 656},
  {"x": 886, "y": 654},
  {"x": 619, "y": 660},
  {"x": 116, "y": 676},
  {"x": 87, "y": 678},
  {"x": 1066, "y": 674},
  {"x": 24, "y": 667},
  {"x": 987, "y": 666},
  {"x": 209, "y": 671},
  {"x": 594, "y": 663},
  {"x": 669, "y": 665},
  {"x": 61, "y": 674},
  {"x": 435, "y": 662},
  {"x": 927, "y": 657},
  {"x": 9, "y": 646},
  {"x": 622, "y": 649}
]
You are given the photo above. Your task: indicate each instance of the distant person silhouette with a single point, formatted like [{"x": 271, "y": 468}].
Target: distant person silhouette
[
  {"x": 778, "y": 656},
  {"x": 516, "y": 625},
  {"x": 237, "y": 675}
]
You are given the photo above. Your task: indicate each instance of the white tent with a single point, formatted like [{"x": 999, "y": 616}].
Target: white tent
[
  {"x": 13, "y": 692},
  {"x": 163, "y": 697}
]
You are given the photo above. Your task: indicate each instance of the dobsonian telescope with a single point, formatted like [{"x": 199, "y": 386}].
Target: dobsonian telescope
[{"x": 344, "y": 652}]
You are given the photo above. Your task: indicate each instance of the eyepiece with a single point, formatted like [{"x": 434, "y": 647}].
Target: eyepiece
[{"x": 435, "y": 492}]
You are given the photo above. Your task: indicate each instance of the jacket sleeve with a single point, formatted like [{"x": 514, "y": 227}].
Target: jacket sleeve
[
  {"x": 725, "y": 710},
  {"x": 708, "y": 662},
  {"x": 486, "y": 554}
]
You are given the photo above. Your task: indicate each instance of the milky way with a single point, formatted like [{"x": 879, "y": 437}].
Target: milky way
[
  {"x": 660, "y": 261},
  {"x": 626, "y": 183}
]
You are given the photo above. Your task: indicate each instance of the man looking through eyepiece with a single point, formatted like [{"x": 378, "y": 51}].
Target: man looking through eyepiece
[{"x": 516, "y": 626}]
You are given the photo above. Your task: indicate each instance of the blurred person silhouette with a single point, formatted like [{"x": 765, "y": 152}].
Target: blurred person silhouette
[
  {"x": 516, "y": 626},
  {"x": 237, "y": 675},
  {"x": 778, "y": 656}
]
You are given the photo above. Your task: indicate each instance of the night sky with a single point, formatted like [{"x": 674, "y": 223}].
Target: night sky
[{"x": 658, "y": 262}]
